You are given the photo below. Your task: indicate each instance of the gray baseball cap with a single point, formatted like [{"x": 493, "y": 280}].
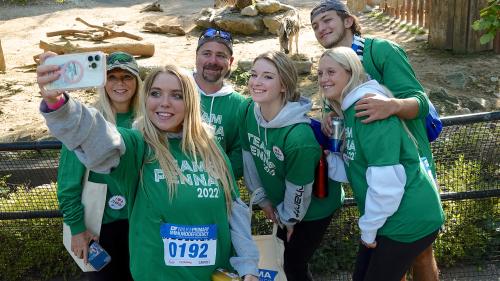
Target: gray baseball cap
[
  {"x": 327, "y": 5},
  {"x": 123, "y": 61}
]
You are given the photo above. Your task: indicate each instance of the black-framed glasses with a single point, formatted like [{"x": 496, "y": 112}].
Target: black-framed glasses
[
  {"x": 217, "y": 33},
  {"x": 120, "y": 57}
]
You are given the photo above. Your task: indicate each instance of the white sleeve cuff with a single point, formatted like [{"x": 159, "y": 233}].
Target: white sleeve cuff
[{"x": 336, "y": 168}]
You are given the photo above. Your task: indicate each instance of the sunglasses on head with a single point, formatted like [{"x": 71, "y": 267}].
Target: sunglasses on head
[
  {"x": 121, "y": 58},
  {"x": 217, "y": 33}
]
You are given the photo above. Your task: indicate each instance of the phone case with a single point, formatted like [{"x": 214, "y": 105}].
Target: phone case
[
  {"x": 79, "y": 71},
  {"x": 98, "y": 257}
]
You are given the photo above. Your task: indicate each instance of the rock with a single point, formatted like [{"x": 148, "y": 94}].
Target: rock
[
  {"x": 441, "y": 95},
  {"x": 473, "y": 79},
  {"x": 245, "y": 64},
  {"x": 367, "y": 9},
  {"x": 456, "y": 80},
  {"x": 268, "y": 6},
  {"x": 494, "y": 79},
  {"x": 462, "y": 111},
  {"x": 206, "y": 18},
  {"x": 250, "y": 11},
  {"x": 303, "y": 66},
  {"x": 474, "y": 104},
  {"x": 421, "y": 38},
  {"x": 242, "y": 4},
  {"x": 273, "y": 22},
  {"x": 238, "y": 24}
]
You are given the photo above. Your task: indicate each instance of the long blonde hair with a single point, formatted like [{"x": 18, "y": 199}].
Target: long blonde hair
[
  {"x": 350, "y": 62},
  {"x": 286, "y": 72},
  {"x": 103, "y": 102},
  {"x": 197, "y": 138}
]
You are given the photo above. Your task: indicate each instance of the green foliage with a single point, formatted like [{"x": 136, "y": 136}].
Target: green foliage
[
  {"x": 471, "y": 226},
  {"x": 239, "y": 77},
  {"x": 23, "y": 199},
  {"x": 32, "y": 249},
  {"x": 489, "y": 21}
]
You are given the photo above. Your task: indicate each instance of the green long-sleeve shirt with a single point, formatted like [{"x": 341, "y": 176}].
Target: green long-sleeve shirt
[{"x": 70, "y": 178}]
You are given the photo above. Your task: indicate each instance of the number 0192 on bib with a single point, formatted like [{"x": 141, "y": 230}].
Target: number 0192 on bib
[{"x": 189, "y": 245}]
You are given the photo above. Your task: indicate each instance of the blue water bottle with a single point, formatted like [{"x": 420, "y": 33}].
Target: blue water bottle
[{"x": 335, "y": 141}]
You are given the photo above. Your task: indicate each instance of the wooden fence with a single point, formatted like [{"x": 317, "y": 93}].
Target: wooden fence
[{"x": 448, "y": 21}]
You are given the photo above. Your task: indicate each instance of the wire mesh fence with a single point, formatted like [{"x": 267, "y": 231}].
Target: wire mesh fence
[{"x": 468, "y": 248}]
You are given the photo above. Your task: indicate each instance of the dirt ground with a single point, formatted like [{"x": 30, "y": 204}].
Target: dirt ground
[{"x": 22, "y": 27}]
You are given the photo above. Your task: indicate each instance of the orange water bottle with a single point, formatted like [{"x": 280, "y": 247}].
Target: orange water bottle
[{"x": 320, "y": 186}]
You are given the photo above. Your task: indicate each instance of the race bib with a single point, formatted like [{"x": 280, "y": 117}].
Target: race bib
[{"x": 189, "y": 245}]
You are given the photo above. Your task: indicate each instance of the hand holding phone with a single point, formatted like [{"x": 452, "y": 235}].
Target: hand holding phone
[
  {"x": 78, "y": 71},
  {"x": 98, "y": 257}
]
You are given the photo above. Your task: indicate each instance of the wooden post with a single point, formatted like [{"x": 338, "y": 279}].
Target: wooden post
[
  {"x": 421, "y": 6},
  {"x": 2, "y": 59},
  {"x": 408, "y": 11},
  {"x": 473, "y": 44},
  {"x": 402, "y": 12},
  {"x": 440, "y": 24},
  {"x": 414, "y": 12},
  {"x": 356, "y": 6},
  {"x": 398, "y": 9},
  {"x": 496, "y": 43},
  {"x": 427, "y": 12}
]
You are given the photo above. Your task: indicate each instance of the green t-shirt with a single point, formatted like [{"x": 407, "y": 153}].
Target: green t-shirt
[
  {"x": 199, "y": 200},
  {"x": 70, "y": 178},
  {"x": 386, "y": 143},
  {"x": 396, "y": 73},
  {"x": 290, "y": 153},
  {"x": 223, "y": 117}
]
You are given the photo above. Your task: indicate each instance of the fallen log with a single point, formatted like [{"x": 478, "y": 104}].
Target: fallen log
[
  {"x": 98, "y": 33},
  {"x": 2, "y": 59},
  {"x": 174, "y": 29},
  {"x": 135, "y": 49}
]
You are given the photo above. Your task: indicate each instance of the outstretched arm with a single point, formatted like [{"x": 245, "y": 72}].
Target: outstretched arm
[{"x": 96, "y": 142}]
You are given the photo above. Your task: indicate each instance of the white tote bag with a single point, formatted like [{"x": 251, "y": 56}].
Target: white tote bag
[
  {"x": 93, "y": 200},
  {"x": 271, "y": 250}
]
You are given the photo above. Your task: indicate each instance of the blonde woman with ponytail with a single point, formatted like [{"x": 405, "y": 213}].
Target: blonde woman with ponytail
[
  {"x": 186, "y": 218},
  {"x": 395, "y": 192},
  {"x": 117, "y": 102}
]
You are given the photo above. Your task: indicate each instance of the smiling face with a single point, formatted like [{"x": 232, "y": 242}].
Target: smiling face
[
  {"x": 213, "y": 61},
  {"x": 120, "y": 86},
  {"x": 265, "y": 84},
  {"x": 332, "y": 77},
  {"x": 330, "y": 30},
  {"x": 165, "y": 103}
]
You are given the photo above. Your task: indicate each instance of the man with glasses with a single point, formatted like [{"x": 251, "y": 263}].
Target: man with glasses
[
  {"x": 219, "y": 101},
  {"x": 387, "y": 62}
]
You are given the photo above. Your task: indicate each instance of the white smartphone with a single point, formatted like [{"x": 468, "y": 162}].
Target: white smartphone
[{"x": 79, "y": 71}]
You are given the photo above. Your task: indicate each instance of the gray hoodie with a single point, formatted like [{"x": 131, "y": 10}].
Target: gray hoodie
[
  {"x": 292, "y": 113},
  {"x": 99, "y": 145}
]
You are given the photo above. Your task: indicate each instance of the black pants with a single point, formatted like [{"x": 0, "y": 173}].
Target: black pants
[
  {"x": 306, "y": 238},
  {"x": 114, "y": 239},
  {"x": 390, "y": 260}
]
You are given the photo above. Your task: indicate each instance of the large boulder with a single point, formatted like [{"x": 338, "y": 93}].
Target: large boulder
[
  {"x": 268, "y": 6},
  {"x": 238, "y": 24},
  {"x": 206, "y": 18},
  {"x": 241, "y": 4},
  {"x": 250, "y": 11}
]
